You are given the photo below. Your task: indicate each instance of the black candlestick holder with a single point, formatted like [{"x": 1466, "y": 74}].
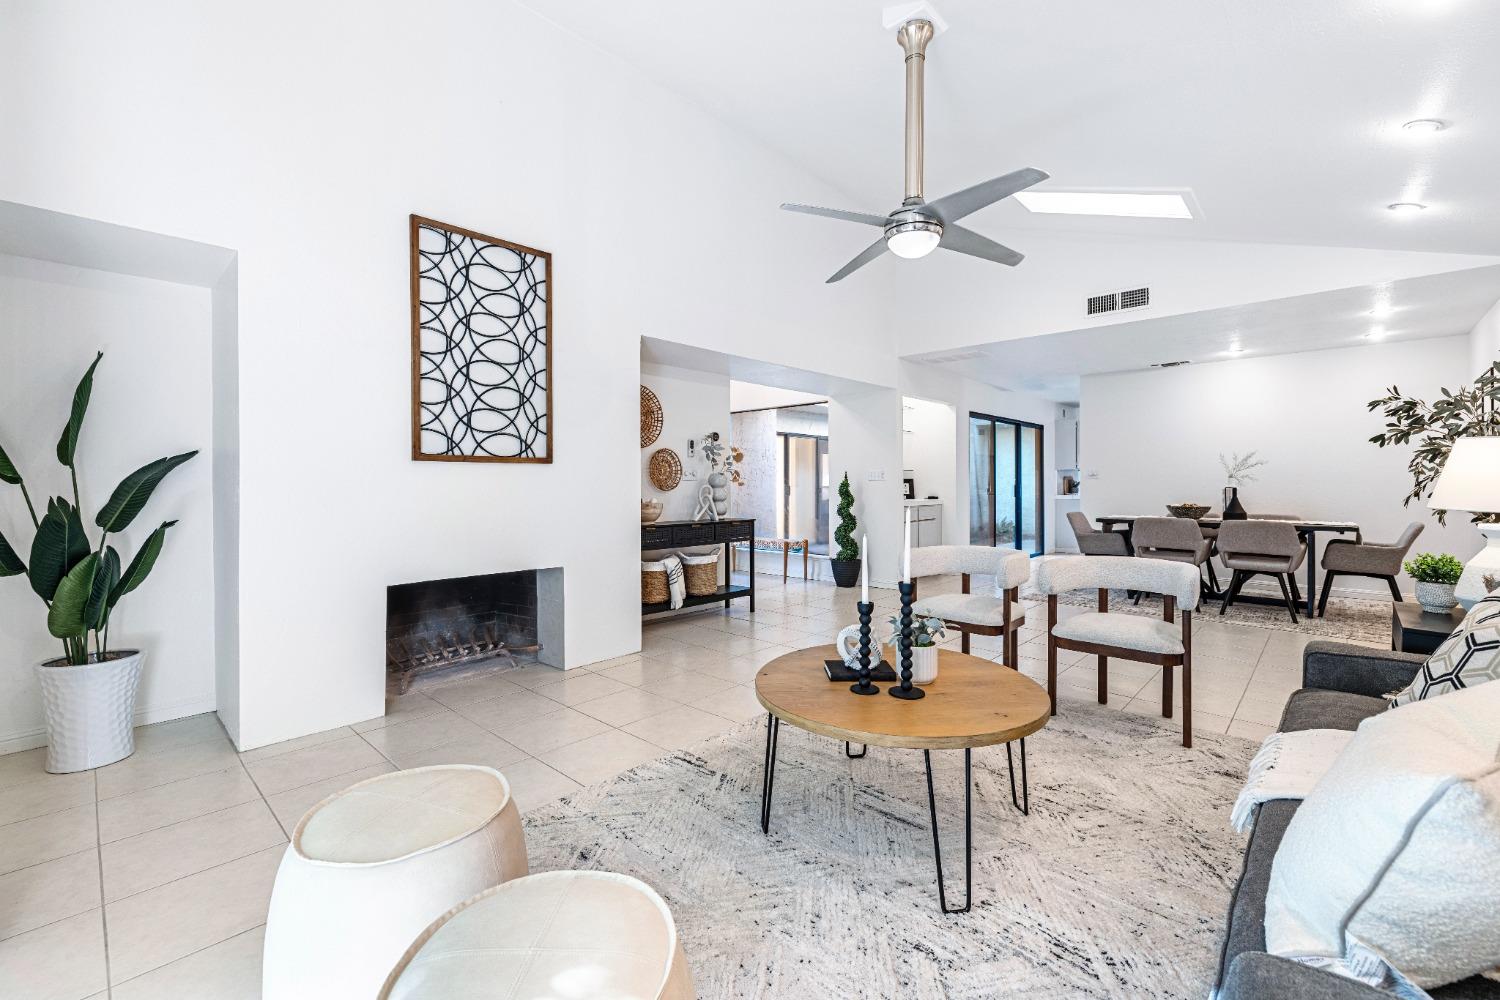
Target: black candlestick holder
[
  {"x": 903, "y": 644},
  {"x": 865, "y": 609}
]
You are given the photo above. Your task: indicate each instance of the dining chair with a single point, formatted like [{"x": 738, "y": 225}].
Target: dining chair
[
  {"x": 1126, "y": 636},
  {"x": 1262, "y": 547},
  {"x": 1092, "y": 541},
  {"x": 1176, "y": 539},
  {"x": 995, "y": 612},
  {"x": 1353, "y": 557}
]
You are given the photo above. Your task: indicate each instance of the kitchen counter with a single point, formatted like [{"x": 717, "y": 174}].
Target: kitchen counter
[{"x": 922, "y": 503}]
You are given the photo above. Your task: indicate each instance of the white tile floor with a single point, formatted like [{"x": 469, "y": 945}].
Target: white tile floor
[{"x": 150, "y": 877}]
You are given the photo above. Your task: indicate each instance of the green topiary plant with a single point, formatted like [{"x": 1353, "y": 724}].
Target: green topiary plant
[
  {"x": 1430, "y": 568},
  {"x": 78, "y": 582},
  {"x": 844, "y": 533}
]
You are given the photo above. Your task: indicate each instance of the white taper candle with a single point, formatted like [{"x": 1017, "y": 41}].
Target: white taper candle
[
  {"x": 864, "y": 569},
  {"x": 906, "y": 563}
]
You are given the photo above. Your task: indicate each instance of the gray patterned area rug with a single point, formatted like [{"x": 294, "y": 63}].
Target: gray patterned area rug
[{"x": 1116, "y": 885}]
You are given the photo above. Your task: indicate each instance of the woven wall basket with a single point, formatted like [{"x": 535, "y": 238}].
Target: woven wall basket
[
  {"x": 651, "y": 417},
  {"x": 665, "y": 469}
]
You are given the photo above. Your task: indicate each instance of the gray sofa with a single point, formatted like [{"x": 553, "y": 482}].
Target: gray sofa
[{"x": 1341, "y": 686}]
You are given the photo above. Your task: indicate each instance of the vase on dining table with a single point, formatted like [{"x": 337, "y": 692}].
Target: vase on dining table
[{"x": 1233, "y": 509}]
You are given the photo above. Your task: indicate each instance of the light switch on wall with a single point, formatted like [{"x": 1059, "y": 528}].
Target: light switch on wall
[
  {"x": 1091, "y": 474},
  {"x": 875, "y": 476}
]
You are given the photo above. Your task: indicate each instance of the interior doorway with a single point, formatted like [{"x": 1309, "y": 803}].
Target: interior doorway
[
  {"x": 802, "y": 486},
  {"x": 1005, "y": 483}
]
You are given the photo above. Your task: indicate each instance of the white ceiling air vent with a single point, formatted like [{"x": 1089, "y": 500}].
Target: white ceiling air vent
[
  {"x": 1130, "y": 298},
  {"x": 1170, "y": 364}
]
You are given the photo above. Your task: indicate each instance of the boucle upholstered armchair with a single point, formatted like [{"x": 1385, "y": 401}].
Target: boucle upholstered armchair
[
  {"x": 1258, "y": 547},
  {"x": 1350, "y": 557},
  {"x": 1092, "y": 541},
  {"x": 1176, "y": 539},
  {"x": 996, "y": 612},
  {"x": 1126, "y": 636}
]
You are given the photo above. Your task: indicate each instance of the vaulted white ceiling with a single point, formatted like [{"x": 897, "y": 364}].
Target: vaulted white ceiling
[{"x": 1281, "y": 116}]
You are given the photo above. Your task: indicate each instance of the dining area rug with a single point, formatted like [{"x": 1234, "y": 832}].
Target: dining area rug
[{"x": 1116, "y": 884}]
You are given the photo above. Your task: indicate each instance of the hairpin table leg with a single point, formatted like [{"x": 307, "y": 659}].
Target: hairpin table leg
[
  {"x": 849, "y": 751},
  {"x": 937, "y": 847},
  {"x": 1024, "y": 802},
  {"x": 773, "y": 729}
]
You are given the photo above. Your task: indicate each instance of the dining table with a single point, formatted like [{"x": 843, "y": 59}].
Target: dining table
[{"x": 1307, "y": 529}]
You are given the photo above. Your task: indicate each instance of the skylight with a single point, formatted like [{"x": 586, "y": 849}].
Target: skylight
[{"x": 1132, "y": 205}]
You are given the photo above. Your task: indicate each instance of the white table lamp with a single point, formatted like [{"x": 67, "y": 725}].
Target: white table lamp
[{"x": 1470, "y": 481}]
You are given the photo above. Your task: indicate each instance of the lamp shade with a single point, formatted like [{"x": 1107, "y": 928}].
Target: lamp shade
[{"x": 1470, "y": 479}]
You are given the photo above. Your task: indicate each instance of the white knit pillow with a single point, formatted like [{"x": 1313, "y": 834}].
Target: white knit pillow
[
  {"x": 1398, "y": 845},
  {"x": 1470, "y": 656}
]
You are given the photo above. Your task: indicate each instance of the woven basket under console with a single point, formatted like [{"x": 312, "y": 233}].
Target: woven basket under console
[
  {"x": 654, "y": 583},
  {"x": 701, "y": 573}
]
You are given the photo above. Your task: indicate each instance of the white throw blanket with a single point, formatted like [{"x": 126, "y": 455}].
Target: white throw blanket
[
  {"x": 676, "y": 586},
  {"x": 1286, "y": 767}
]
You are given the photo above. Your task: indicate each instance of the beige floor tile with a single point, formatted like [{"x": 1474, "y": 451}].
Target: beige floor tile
[
  {"x": 627, "y": 706},
  {"x": 485, "y": 749},
  {"x": 55, "y": 835},
  {"x": 1265, "y": 713},
  {"x": 172, "y": 921},
  {"x": 461, "y": 691},
  {"x": 50, "y": 891},
  {"x": 164, "y": 767},
  {"x": 686, "y": 657},
  {"x": 614, "y": 661},
  {"x": 551, "y": 731},
  {"x": 600, "y": 757},
  {"x": 429, "y": 731},
  {"x": 152, "y": 808},
  {"x": 290, "y": 805},
  {"x": 148, "y": 860},
  {"x": 534, "y": 784},
  {"x": 23, "y": 766},
  {"x": 496, "y": 714},
  {"x": 47, "y": 793},
  {"x": 1250, "y": 730},
  {"x": 403, "y": 709},
  {"x": 681, "y": 727},
  {"x": 739, "y": 670},
  {"x": 533, "y": 674},
  {"x": 726, "y": 644},
  {"x": 204, "y": 728},
  {"x": 303, "y": 767},
  {"x": 292, "y": 746},
  {"x": 686, "y": 687},
  {"x": 577, "y": 687},
  {"x": 737, "y": 704},
  {"x": 229, "y": 970},
  {"x": 642, "y": 672},
  {"x": 61, "y": 961}
]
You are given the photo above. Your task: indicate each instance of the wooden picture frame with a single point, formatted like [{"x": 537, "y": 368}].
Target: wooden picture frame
[{"x": 479, "y": 277}]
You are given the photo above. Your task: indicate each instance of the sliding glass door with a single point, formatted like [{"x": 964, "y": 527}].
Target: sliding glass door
[
  {"x": 1005, "y": 483},
  {"x": 803, "y": 503}
]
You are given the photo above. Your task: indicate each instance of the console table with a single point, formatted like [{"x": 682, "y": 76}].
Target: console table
[{"x": 696, "y": 534}]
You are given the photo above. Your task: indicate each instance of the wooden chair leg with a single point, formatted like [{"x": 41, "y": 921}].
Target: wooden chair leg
[
  {"x": 1104, "y": 680},
  {"x": 1291, "y": 579},
  {"x": 1286, "y": 595},
  {"x": 1235, "y": 580},
  {"x": 1166, "y": 692},
  {"x": 1187, "y": 679},
  {"x": 1052, "y": 651},
  {"x": 806, "y": 547},
  {"x": 963, "y": 640},
  {"x": 1327, "y": 589},
  {"x": 786, "y": 554},
  {"x": 1395, "y": 591}
]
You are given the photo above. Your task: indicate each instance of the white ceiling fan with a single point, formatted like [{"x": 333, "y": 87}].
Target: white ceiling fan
[{"x": 918, "y": 227}]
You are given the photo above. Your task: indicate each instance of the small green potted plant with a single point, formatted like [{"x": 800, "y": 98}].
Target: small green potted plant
[
  {"x": 845, "y": 562},
  {"x": 925, "y": 633},
  {"x": 1435, "y": 576},
  {"x": 88, "y": 694}
]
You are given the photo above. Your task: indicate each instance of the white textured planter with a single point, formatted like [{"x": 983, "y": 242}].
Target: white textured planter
[
  {"x": 924, "y": 661},
  {"x": 90, "y": 711},
  {"x": 1436, "y": 597}
]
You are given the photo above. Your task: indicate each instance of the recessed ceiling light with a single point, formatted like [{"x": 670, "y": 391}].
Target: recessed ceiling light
[
  {"x": 1425, "y": 125},
  {"x": 1376, "y": 333},
  {"x": 1130, "y": 205},
  {"x": 1234, "y": 349},
  {"x": 1383, "y": 310},
  {"x": 1406, "y": 207}
]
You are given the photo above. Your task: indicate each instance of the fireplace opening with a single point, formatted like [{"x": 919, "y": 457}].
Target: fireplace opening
[{"x": 463, "y": 625}]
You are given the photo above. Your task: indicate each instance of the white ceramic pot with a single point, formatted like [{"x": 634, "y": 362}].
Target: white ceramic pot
[
  {"x": 90, "y": 711},
  {"x": 1436, "y": 597},
  {"x": 924, "y": 663}
]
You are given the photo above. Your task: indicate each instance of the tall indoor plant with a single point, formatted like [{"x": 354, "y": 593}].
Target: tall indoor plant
[
  {"x": 845, "y": 561},
  {"x": 88, "y": 694}
]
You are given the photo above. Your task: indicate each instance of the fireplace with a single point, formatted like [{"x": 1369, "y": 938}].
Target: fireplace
[{"x": 472, "y": 624}]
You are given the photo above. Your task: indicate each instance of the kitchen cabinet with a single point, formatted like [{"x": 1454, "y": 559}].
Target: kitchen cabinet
[{"x": 926, "y": 522}]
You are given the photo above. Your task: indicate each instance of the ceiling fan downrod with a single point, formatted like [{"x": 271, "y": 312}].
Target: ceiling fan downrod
[{"x": 913, "y": 37}]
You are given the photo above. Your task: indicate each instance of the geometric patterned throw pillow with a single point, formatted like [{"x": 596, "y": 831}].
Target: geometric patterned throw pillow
[{"x": 1470, "y": 656}]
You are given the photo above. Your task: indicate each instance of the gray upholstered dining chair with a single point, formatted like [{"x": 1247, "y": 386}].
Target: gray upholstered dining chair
[
  {"x": 1353, "y": 557},
  {"x": 1126, "y": 636},
  {"x": 1175, "y": 539},
  {"x": 996, "y": 612},
  {"x": 1257, "y": 547},
  {"x": 1092, "y": 541}
]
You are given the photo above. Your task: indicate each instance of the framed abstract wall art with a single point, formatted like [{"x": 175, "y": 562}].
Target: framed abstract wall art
[{"x": 481, "y": 347}]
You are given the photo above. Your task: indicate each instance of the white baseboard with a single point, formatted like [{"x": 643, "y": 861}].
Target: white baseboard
[{"x": 30, "y": 739}]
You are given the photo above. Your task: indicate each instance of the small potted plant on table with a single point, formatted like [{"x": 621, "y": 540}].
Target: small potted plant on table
[
  {"x": 845, "y": 562},
  {"x": 1436, "y": 576},
  {"x": 925, "y": 633},
  {"x": 88, "y": 695}
]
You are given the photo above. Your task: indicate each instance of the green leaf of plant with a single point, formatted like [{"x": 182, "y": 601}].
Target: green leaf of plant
[
  {"x": 58, "y": 547},
  {"x": 10, "y": 562},
  {"x": 140, "y": 567},
  {"x": 8, "y": 473},
  {"x": 105, "y": 581},
  {"x": 67, "y": 445},
  {"x": 65, "y": 618},
  {"x": 133, "y": 492}
]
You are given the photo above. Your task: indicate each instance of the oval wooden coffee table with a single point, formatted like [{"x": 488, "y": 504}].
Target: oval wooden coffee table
[{"x": 973, "y": 703}]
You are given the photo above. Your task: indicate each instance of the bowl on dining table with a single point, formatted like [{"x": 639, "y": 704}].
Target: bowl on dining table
[{"x": 1192, "y": 511}]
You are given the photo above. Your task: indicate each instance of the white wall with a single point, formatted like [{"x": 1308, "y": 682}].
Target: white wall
[
  {"x": 1155, "y": 437},
  {"x": 1484, "y": 341},
  {"x": 152, "y": 397},
  {"x": 692, "y": 404},
  {"x": 864, "y": 437},
  {"x": 929, "y": 453},
  {"x": 749, "y": 396}
]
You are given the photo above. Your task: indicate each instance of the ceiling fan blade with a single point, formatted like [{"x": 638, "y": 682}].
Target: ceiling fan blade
[
  {"x": 871, "y": 252},
  {"x": 839, "y": 213},
  {"x": 952, "y": 207},
  {"x": 957, "y": 238}
]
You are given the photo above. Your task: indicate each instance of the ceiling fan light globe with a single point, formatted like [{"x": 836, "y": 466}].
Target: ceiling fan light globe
[{"x": 914, "y": 239}]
